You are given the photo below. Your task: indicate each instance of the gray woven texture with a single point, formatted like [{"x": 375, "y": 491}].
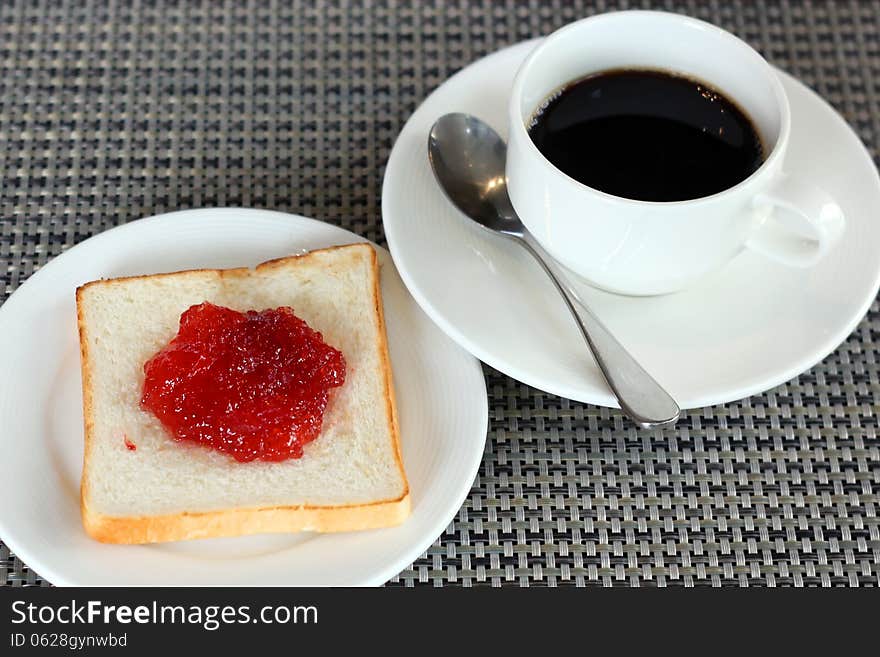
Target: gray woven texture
[{"x": 111, "y": 112}]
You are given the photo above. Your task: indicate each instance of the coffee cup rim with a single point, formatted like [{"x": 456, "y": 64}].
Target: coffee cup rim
[{"x": 517, "y": 123}]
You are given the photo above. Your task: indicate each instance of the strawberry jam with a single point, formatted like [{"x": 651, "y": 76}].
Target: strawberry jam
[{"x": 253, "y": 385}]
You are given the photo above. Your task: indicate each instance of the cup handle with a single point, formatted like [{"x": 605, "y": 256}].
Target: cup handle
[{"x": 803, "y": 224}]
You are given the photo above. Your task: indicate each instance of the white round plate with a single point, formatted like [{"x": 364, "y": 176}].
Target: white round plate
[
  {"x": 440, "y": 391},
  {"x": 743, "y": 330}
]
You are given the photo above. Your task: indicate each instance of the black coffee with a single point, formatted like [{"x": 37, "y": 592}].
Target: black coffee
[{"x": 647, "y": 135}]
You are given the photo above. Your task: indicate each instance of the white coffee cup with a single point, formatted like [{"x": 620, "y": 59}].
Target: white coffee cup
[{"x": 641, "y": 247}]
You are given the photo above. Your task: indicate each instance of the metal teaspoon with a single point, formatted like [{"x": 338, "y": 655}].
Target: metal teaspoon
[{"x": 468, "y": 159}]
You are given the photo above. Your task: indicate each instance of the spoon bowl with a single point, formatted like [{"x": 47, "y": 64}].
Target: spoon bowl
[{"x": 468, "y": 159}]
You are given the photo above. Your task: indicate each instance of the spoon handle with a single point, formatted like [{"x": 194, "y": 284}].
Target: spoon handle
[{"x": 640, "y": 396}]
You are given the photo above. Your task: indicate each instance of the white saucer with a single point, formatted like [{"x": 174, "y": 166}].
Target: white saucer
[
  {"x": 440, "y": 391},
  {"x": 744, "y": 330}
]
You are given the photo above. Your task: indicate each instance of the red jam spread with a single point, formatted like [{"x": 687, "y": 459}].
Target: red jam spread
[{"x": 253, "y": 385}]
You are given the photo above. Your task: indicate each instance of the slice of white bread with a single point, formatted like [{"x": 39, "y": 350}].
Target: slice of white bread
[{"x": 351, "y": 477}]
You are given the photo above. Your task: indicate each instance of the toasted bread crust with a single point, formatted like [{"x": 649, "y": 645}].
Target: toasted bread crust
[
  {"x": 390, "y": 399},
  {"x": 235, "y": 271},
  {"x": 237, "y": 522},
  {"x": 88, "y": 420}
]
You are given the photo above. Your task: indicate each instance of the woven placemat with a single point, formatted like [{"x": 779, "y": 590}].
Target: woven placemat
[{"x": 109, "y": 113}]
